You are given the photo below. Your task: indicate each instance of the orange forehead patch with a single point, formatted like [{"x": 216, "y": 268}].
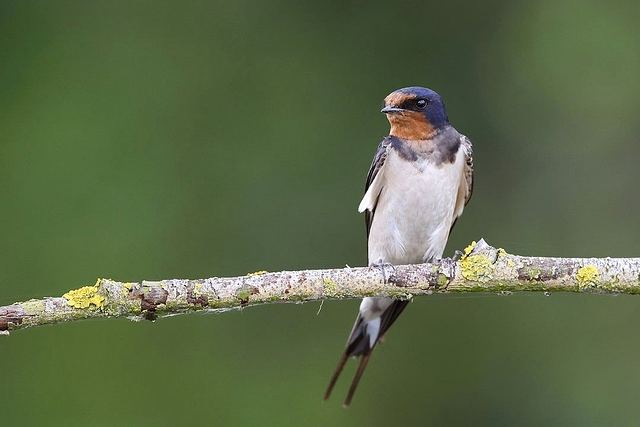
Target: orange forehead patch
[{"x": 397, "y": 98}]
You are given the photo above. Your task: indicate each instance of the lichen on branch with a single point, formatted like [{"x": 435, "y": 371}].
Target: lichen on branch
[{"x": 481, "y": 268}]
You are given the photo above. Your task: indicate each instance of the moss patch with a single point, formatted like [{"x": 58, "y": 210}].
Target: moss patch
[
  {"x": 330, "y": 287},
  {"x": 84, "y": 297},
  {"x": 442, "y": 281},
  {"x": 244, "y": 293}
]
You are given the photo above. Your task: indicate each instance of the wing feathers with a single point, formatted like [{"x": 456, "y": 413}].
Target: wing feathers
[
  {"x": 374, "y": 183},
  {"x": 465, "y": 189},
  {"x": 370, "y": 198}
]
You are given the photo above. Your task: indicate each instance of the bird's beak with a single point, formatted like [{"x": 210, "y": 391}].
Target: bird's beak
[{"x": 391, "y": 110}]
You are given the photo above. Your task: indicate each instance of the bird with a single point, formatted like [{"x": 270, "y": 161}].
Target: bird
[{"x": 419, "y": 182}]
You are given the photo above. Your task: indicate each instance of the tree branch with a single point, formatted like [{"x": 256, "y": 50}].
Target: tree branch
[{"x": 482, "y": 268}]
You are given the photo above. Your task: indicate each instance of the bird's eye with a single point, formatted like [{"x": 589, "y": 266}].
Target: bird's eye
[{"x": 421, "y": 103}]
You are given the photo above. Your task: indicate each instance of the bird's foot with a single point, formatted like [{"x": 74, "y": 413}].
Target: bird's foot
[
  {"x": 383, "y": 266},
  {"x": 457, "y": 255}
]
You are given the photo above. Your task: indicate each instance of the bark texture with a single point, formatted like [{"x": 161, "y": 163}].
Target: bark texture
[{"x": 482, "y": 268}]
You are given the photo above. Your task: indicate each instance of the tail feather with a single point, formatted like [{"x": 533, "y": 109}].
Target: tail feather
[
  {"x": 336, "y": 374},
  {"x": 391, "y": 314},
  {"x": 356, "y": 379},
  {"x": 361, "y": 343}
]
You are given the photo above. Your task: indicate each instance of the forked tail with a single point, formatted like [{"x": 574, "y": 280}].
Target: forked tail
[{"x": 362, "y": 340}]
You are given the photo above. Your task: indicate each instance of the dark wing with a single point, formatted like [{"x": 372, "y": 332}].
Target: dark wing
[
  {"x": 465, "y": 189},
  {"x": 376, "y": 165}
]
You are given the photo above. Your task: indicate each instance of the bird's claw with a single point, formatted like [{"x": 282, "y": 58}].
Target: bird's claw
[
  {"x": 457, "y": 255},
  {"x": 382, "y": 266}
]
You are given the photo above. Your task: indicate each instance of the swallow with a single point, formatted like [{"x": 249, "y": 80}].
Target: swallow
[{"x": 419, "y": 182}]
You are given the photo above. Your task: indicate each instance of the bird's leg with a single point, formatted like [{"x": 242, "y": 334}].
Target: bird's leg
[{"x": 382, "y": 266}]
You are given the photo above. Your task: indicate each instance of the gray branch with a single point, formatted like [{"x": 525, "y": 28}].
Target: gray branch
[{"x": 482, "y": 268}]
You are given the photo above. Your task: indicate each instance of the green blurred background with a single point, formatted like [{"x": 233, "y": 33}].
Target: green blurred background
[{"x": 187, "y": 139}]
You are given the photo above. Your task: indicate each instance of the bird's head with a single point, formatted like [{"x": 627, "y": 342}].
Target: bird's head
[{"x": 415, "y": 113}]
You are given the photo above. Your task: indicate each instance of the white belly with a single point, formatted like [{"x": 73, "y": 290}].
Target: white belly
[{"x": 414, "y": 212}]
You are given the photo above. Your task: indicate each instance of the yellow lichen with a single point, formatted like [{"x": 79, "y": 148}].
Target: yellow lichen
[
  {"x": 330, "y": 287},
  {"x": 197, "y": 289},
  {"x": 469, "y": 249},
  {"x": 587, "y": 276},
  {"x": 84, "y": 297},
  {"x": 257, "y": 273},
  {"x": 476, "y": 267}
]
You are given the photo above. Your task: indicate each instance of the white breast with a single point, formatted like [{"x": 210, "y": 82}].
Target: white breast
[{"x": 414, "y": 209}]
